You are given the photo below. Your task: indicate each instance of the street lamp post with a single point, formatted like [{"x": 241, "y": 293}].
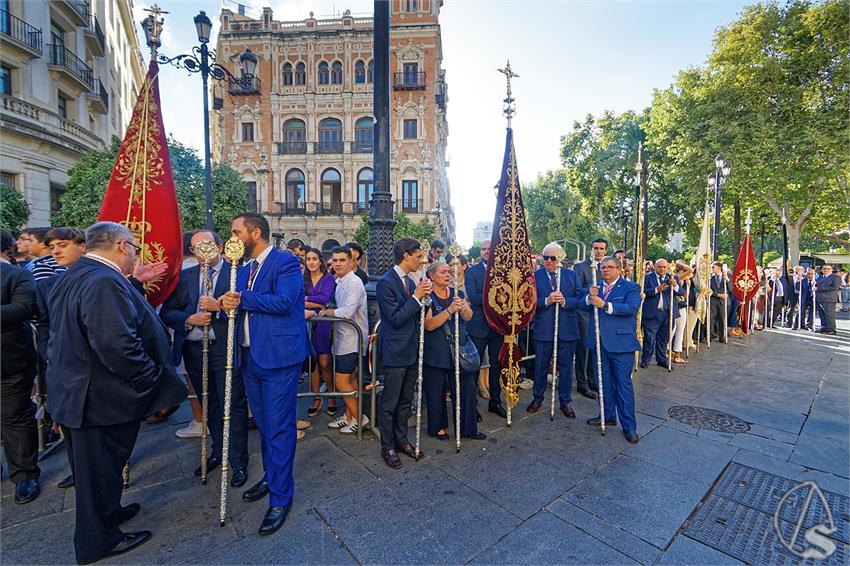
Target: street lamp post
[
  {"x": 763, "y": 218},
  {"x": 717, "y": 179},
  {"x": 202, "y": 60}
]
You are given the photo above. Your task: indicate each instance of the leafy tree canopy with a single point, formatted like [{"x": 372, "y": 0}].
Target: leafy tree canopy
[
  {"x": 14, "y": 210},
  {"x": 404, "y": 228}
]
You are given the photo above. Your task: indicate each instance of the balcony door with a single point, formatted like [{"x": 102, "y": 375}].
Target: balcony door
[
  {"x": 331, "y": 191},
  {"x": 294, "y": 190}
]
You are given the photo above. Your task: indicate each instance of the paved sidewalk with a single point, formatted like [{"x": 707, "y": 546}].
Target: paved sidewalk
[{"x": 539, "y": 492}]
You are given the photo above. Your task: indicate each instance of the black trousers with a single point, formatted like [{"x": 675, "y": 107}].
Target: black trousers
[
  {"x": 100, "y": 453},
  {"x": 238, "y": 450},
  {"x": 396, "y": 401},
  {"x": 18, "y": 428},
  {"x": 585, "y": 365},
  {"x": 826, "y": 312},
  {"x": 435, "y": 381},
  {"x": 492, "y": 343},
  {"x": 718, "y": 319}
]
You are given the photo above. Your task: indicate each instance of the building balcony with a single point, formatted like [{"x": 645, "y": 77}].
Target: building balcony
[
  {"x": 99, "y": 99},
  {"x": 19, "y": 36},
  {"x": 292, "y": 208},
  {"x": 329, "y": 147},
  {"x": 410, "y": 206},
  {"x": 244, "y": 86},
  {"x": 362, "y": 147},
  {"x": 291, "y": 148},
  {"x": 76, "y": 11},
  {"x": 71, "y": 66},
  {"x": 409, "y": 81},
  {"x": 95, "y": 40},
  {"x": 38, "y": 123},
  {"x": 328, "y": 208}
]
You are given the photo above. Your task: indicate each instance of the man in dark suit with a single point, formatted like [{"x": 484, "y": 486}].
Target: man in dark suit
[
  {"x": 618, "y": 301},
  {"x": 399, "y": 301},
  {"x": 484, "y": 337},
  {"x": 553, "y": 295},
  {"x": 586, "y": 380},
  {"x": 796, "y": 301},
  {"x": 187, "y": 311},
  {"x": 826, "y": 289},
  {"x": 110, "y": 366},
  {"x": 720, "y": 289},
  {"x": 272, "y": 336},
  {"x": 17, "y": 371},
  {"x": 655, "y": 318},
  {"x": 807, "y": 299}
]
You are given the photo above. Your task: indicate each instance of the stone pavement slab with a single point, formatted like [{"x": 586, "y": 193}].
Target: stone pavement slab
[{"x": 687, "y": 552}]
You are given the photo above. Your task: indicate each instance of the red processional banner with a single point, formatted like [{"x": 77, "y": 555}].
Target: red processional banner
[
  {"x": 141, "y": 194},
  {"x": 745, "y": 280}
]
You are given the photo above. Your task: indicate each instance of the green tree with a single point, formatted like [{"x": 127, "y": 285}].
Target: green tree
[
  {"x": 80, "y": 204},
  {"x": 14, "y": 210},
  {"x": 474, "y": 251},
  {"x": 404, "y": 228}
]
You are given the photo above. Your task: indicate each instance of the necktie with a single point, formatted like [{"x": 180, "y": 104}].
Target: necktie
[
  {"x": 406, "y": 281},
  {"x": 253, "y": 268},
  {"x": 553, "y": 280}
]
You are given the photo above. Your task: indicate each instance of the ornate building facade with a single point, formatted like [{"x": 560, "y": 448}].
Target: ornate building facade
[
  {"x": 301, "y": 134},
  {"x": 70, "y": 71}
]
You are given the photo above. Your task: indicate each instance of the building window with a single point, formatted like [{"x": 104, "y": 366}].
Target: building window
[
  {"x": 364, "y": 132},
  {"x": 411, "y": 6},
  {"x": 251, "y": 189},
  {"x": 336, "y": 73},
  {"x": 294, "y": 196},
  {"x": 365, "y": 186},
  {"x": 410, "y": 196},
  {"x": 6, "y": 80},
  {"x": 331, "y": 191},
  {"x": 328, "y": 247},
  {"x": 370, "y": 72},
  {"x": 247, "y": 131},
  {"x": 359, "y": 73},
  {"x": 410, "y": 129},
  {"x": 7, "y": 179},
  {"x": 56, "y": 192},
  {"x": 324, "y": 74},
  {"x": 294, "y": 131},
  {"x": 62, "y": 107},
  {"x": 300, "y": 74},
  {"x": 411, "y": 73},
  {"x": 330, "y": 136},
  {"x": 287, "y": 74}
]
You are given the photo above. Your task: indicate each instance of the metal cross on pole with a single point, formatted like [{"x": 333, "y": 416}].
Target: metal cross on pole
[{"x": 510, "y": 108}]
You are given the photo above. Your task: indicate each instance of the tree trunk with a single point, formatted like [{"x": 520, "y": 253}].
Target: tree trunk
[
  {"x": 794, "y": 244},
  {"x": 736, "y": 246}
]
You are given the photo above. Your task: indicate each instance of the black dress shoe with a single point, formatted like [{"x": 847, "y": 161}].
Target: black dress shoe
[
  {"x": 124, "y": 514},
  {"x": 274, "y": 519},
  {"x": 534, "y": 406},
  {"x": 587, "y": 393},
  {"x": 27, "y": 490},
  {"x": 477, "y": 436},
  {"x": 478, "y": 417},
  {"x": 391, "y": 459},
  {"x": 499, "y": 410},
  {"x": 408, "y": 449},
  {"x": 644, "y": 365},
  {"x": 212, "y": 463},
  {"x": 568, "y": 411},
  {"x": 596, "y": 421},
  {"x": 260, "y": 490},
  {"x": 240, "y": 476},
  {"x": 67, "y": 482},
  {"x": 662, "y": 365},
  {"x": 129, "y": 542},
  {"x": 631, "y": 436}
]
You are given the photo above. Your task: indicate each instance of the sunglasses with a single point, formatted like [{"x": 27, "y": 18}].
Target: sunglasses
[
  {"x": 549, "y": 258},
  {"x": 136, "y": 246}
]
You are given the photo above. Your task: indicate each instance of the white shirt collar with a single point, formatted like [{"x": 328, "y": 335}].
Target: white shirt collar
[
  {"x": 263, "y": 255},
  {"x": 399, "y": 271},
  {"x": 4, "y": 260},
  {"x": 105, "y": 261}
]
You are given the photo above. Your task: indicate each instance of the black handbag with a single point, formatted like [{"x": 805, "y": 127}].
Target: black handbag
[{"x": 470, "y": 360}]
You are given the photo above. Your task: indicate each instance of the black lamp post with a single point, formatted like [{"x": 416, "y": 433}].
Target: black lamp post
[
  {"x": 723, "y": 168},
  {"x": 202, "y": 60},
  {"x": 762, "y": 228}
]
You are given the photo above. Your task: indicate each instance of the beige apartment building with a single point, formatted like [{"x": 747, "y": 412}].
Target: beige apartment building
[
  {"x": 70, "y": 71},
  {"x": 301, "y": 134}
]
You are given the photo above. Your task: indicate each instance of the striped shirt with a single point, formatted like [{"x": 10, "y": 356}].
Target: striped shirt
[{"x": 44, "y": 267}]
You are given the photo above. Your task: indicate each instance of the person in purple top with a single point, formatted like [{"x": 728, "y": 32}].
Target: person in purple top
[{"x": 319, "y": 291}]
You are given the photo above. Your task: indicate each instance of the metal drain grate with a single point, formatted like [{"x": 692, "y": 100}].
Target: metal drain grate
[{"x": 708, "y": 419}]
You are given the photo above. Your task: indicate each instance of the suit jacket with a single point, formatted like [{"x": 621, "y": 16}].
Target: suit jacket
[
  {"x": 617, "y": 331},
  {"x": 544, "y": 316},
  {"x": 275, "y": 311},
  {"x": 650, "y": 302},
  {"x": 806, "y": 292},
  {"x": 474, "y": 282},
  {"x": 398, "y": 339},
  {"x": 17, "y": 297},
  {"x": 110, "y": 357},
  {"x": 183, "y": 303},
  {"x": 724, "y": 287},
  {"x": 585, "y": 273},
  {"x": 827, "y": 288}
]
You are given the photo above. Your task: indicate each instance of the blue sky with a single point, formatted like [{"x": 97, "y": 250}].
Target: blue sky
[{"x": 573, "y": 58}]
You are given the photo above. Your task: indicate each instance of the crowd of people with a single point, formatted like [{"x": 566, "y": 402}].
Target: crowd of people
[{"x": 76, "y": 321}]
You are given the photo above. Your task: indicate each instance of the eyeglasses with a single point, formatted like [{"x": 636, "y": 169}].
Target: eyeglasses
[
  {"x": 137, "y": 247},
  {"x": 549, "y": 258},
  {"x": 609, "y": 267}
]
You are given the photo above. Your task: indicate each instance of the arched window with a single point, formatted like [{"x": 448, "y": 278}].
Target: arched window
[
  {"x": 300, "y": 74},
  {"x": 365, "y": 186},
  {"x": 324, "y": 75},
  {"x": 359, "y": 73},
  {"x": 370, "y": 73},
  {"x": 331, "y": 191},
  {"x": 287, "y": 73},
  {"x": 327, "y": 248},
  {"x": 330, "y": 136},
  {"x": 295, "y": 193},
  {"x": 294, "y": 137},
  {"x": 363, "y": 136},
  {"x": 336, "y": 73}
]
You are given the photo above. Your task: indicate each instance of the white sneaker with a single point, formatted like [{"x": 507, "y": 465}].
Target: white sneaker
[
  {"x": 550, "y": 378},
  {"x": 351, "y": 427},
  {"x": 192, "y": 430},
  {"x": 526, "y": 384},
  {"x": 339, "y": 422}
]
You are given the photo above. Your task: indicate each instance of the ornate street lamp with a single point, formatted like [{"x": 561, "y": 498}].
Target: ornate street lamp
[{"x": 716, "y": 180}]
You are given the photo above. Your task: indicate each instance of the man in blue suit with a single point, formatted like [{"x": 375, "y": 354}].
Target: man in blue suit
[
  {"x": 655, "y": 320},
  {"x": 400, "y": 302},
  {"x": 187, "y": 311},
  {"x": 272, "y": 345},
  {"x": 618, "y": 301},
  {"x": 551, "y": 296}
]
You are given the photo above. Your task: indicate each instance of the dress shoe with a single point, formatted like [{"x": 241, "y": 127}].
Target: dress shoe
[
  {"x": 240, "y": 476},
  {"x": 587, "y": 393},
  {"x": 274, "y": 519},
  {"x": 499, "y": 410},
  {"x": 391, "y": 459},
  {"x": 442, "y": 436},
  {"x": 408, "y": 449},
  {"x": 662, "y": 364},
  {"x": 526, "y": 384},
  {"x": 644, "y": 365},
  {"x": 477, "y": 436},
  {"x": 567, "y": 409},
  {"x": 534, "y": 406},
  {"x": 27, "y": 490},
  {"x": 260, "y": 490},
  {"x": 478, "y": 417},
  {"x": 124, "y": 514},
  {"x": 67, "y": 482},
  {"x": 631, "y": 436},
  {"x": 596, "y": 421},
  {"x": 129, "y": 542},
  {"x": 212, "y": 463}
]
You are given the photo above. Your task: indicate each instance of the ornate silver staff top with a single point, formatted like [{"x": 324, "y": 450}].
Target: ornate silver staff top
[{"x": 510, "y": 106}]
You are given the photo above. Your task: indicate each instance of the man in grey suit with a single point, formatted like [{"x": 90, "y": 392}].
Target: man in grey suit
[{"x": 585, "y": 360}]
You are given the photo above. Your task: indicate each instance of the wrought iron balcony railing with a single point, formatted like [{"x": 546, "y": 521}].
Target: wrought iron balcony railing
[
  {"x": 409, "y": 81},
  {"x": 329, "y": 147},
  {"x": 64, "y": 57},
  {"x": 21, "y": 31},
  {"x": 291, "y": 148}
]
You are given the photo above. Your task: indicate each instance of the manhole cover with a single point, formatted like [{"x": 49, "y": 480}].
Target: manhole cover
[{"x": 708, "y": 419}]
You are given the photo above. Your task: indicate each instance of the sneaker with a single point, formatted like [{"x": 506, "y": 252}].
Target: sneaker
[
  {"x": 302, "y": 425},
  {"x": 192, "y": 430},
  {"x": 339, "y": 422},
  {"x": 526, "y": 384},
  {"x": 550, "y": 378},
  {"x": 351, "y": 427}
]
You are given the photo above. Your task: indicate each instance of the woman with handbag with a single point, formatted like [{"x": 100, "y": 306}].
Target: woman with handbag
[{"x": 438, "y": 360}]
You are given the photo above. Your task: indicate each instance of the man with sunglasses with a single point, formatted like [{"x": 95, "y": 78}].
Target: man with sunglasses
[{"x": 586, "y": 382}]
